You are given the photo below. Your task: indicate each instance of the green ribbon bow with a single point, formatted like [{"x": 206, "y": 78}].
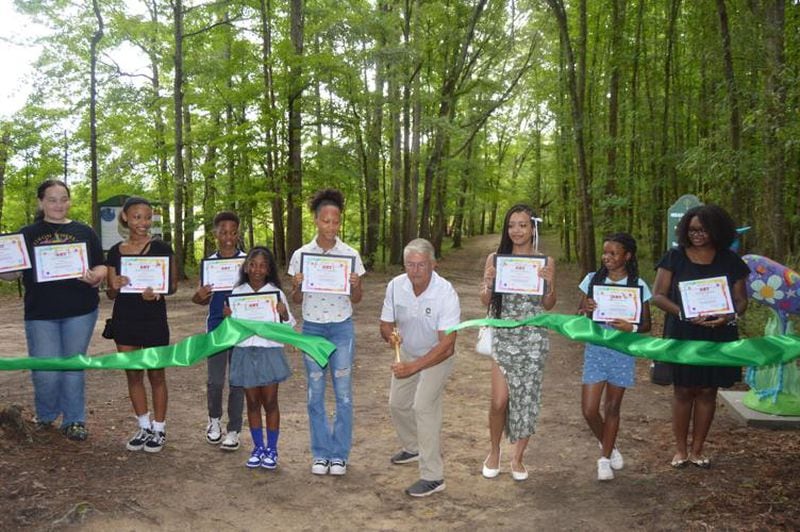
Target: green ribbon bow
[
  {"x": 759, "y": 351},
  {"x": 186, "y": 352}
]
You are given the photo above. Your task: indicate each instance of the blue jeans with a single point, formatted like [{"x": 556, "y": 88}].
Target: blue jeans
[
  {"x": 331, "y": 442},
  {"x": 59, "y": 392}
]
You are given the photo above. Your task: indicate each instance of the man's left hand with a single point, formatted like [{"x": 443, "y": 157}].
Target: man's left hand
[{"x": 404, "y": 370}]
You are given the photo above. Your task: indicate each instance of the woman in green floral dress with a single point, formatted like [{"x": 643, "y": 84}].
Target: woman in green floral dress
[{"x": 518, "y": 353}]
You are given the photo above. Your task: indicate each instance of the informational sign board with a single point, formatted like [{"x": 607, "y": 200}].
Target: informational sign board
[{"x": 676, "y": 212}]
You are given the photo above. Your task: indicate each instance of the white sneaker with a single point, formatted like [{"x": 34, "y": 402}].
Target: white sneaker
[
  {"x": 230, "y": 442},
  {"x": 617, "y": 462},
  {"x": 214, "y": 431},
  {"x": 338, "y": 467},
  {"x": 604, "y": 471},
  {"x": 320, "y": 467}
]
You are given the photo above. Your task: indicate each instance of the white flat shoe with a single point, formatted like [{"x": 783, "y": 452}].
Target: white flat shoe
[
  {"x": 488, "y": 472},
  {"x": 519, "y": 475}
]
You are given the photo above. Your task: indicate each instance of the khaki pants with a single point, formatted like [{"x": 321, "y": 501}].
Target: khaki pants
[{"x": 416, "y": 407}]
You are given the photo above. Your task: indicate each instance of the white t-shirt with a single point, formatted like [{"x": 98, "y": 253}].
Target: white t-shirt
[
  {"x": 420, "y": 318},
  {"x": 257, "y": 341},
  {"x": 326, "y": 308}
]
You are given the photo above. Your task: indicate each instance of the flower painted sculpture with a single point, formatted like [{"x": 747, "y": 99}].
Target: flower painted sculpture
[{"x": 774, "y": 389}]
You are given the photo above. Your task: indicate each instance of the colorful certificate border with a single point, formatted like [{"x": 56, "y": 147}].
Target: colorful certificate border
[
  {"x": 342, "y": 289},
  {"x": 163, "y": 259},
  {"x": 206, "y": 262},
  {"x": 272, "y": 296},
  {"x": 540, "y": 285},
  {"x": 46, "y": 277},
  {"x": 18, "y": 240},
  {"x": 721, "y": 282},
  {"x": 639, "y": 294}
]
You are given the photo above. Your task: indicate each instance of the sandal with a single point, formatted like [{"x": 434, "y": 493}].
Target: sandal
[
  {"x": 678, "y": 463},
  {"x": 701, "y": 462}
]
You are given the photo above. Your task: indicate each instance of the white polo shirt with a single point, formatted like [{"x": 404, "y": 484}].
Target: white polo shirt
[
  {"x": 257, "y": 341},
  {"x": 420, "y": 318},
  {"x": 326, "y": 308}
]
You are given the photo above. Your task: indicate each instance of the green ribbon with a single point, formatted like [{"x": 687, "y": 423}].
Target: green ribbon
[
  {"x": 748, "y": 352},
  {"x": 186, "y": 352}
]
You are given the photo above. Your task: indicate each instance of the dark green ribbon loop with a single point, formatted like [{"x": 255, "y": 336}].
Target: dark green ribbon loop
[
  {"x": 759, "y": 351},
  {"x": 186, "y": 352}
]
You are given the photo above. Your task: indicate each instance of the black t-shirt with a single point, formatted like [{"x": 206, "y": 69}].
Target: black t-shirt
[
  {"x": 726, "y": 263},
  {"x": 56, "y": 300},
  {"x": 133, "y": 306}
]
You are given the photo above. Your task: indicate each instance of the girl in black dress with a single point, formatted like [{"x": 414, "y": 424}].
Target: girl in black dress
[
  {"x": 140, "y": 320},
  {"x": 704, "y": 235}
]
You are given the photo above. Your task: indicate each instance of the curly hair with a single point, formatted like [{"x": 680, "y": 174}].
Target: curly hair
[
  {"x": 719, "y": 226},
  {"x": 326, "y": 196},
  {"x": 628, "y": 243},
  {"x": 505, "y": 247}
]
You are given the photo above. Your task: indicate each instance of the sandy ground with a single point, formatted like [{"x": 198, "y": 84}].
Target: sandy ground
[{"x": 51, "y": 483}]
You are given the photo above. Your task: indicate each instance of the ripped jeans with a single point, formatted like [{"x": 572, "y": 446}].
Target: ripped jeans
[{"x": 331, "y": 441}]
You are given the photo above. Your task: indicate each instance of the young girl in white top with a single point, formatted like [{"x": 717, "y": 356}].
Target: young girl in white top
[
  {"x": 258, "y": 364},
  {"x": 605, "y": 368}
]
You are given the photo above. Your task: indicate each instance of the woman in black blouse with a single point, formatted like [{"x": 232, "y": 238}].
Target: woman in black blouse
[{"x": 704, "y": 236}]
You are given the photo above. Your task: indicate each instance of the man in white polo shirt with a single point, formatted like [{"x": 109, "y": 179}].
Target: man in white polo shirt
[{"x": 419, "y": 306}]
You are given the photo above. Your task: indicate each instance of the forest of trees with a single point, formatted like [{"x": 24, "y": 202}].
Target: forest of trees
[{"x": 432, "y": 116}]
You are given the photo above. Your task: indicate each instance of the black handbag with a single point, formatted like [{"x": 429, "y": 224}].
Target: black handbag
[
  {"x": 108, "y": 330},
  {"x": 660, "y": 373}
]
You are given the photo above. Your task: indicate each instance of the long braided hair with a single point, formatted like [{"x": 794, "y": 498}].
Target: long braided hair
[
  {"x": 628, "y": 243},
  {"x": 506, "y": 245}
]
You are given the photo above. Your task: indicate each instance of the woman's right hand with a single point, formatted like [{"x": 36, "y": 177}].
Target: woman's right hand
[
  {"x": 588, "y": 307},
  {"x": 226, "y": 311},
  {"x": 118, "y": 281}
]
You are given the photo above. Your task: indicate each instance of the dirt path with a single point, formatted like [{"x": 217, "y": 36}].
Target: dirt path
[{"x": 192, "y": 485}]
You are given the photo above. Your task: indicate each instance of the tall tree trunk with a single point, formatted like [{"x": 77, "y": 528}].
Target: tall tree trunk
[
  {"x": 96, "y": 36},
  {"x": 576, "y": 77},
  {"x": 663, "y": 165},
  {"x": 396, "y": 159},
  {"x": 615, "y": 53},
  {"x": 737, "y": 197},
  {"x": 269, "y": 118},
  {"x": 294, "y": 219},
  {"x": 209, "y": 170},
  {"x": 374, "y": 137},
  {"x": 177, "y": 11},
  {"x": 461, "y": 199},
  {"x": 5, "y": 148},
  {"x": 775, "y": 94},
  {"x": 161, "y": 150},
  {"x": 188, "y": 206}
]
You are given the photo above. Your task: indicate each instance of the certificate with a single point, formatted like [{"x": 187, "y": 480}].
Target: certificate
[
  {"x": 519, "y": 274},
  {"x": 13, "y": 253},
  {"x": 706, "y": 297},
  {"x": 56, "y": 262},
  {"x": 145, "y": 272},
  {"x": 222, "y": 274},
  {"x": 262, "y": 306},
  {"x": 615, "y": 302},
  {"x": 326, "y": 274}
]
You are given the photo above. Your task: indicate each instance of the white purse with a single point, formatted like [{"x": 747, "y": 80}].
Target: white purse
[{"x": 484, "y": 344}]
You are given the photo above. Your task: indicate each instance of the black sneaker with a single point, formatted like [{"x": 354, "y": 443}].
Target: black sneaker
[
  {"x": 139, "y": 439},
  {"x": 156, "y": 442},
  {"x": 405, "y": 457},
  {"x": 423, "y": 488},
  {"x": 75, "y": 432}
]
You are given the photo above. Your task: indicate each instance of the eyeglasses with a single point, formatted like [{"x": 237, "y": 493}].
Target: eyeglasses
[
  {"x": 415, "y": 265},
  {"x": 697, "y": 231}
]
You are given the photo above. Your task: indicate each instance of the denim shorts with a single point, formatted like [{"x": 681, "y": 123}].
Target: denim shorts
[{"x": 604, "y": 364}]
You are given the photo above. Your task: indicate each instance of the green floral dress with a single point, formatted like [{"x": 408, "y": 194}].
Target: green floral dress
[{"x": 521, "y": 353}]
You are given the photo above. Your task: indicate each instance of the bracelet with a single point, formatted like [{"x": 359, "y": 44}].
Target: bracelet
[{"x": 635, "y": 328}]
